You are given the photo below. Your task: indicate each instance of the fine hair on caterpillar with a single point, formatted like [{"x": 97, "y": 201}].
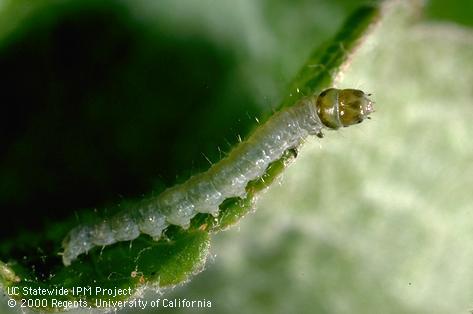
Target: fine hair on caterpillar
[{"x": 203, "y": 193}]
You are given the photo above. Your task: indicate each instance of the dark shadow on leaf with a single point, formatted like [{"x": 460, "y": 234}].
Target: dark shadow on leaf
[{"x": 98, "y": 107}]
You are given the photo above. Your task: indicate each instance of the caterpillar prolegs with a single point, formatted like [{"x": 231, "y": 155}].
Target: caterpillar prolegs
[{"x": 204, "y": 192}]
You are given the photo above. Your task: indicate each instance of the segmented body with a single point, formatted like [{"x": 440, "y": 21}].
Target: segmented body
[{"x": 204, "y": 192}]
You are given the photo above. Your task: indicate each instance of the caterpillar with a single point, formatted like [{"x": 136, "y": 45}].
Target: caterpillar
[{"x": 204, "y": 192}]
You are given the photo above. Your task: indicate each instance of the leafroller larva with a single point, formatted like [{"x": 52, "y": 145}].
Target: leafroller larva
[{"x": 204, "y": 192}]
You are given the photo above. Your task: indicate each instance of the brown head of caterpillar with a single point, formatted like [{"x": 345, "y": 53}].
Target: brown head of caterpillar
[{"x": 338, "y": 108}]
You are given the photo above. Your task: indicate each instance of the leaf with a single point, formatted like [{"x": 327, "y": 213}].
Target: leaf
[{"x": 172, "y": 260}]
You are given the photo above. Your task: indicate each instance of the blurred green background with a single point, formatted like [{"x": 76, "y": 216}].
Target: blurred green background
[{"x": 111, "y": 100}]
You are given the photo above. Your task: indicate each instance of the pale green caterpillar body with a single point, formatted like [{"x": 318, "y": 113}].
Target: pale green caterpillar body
[{"x": 204, "y": 192}]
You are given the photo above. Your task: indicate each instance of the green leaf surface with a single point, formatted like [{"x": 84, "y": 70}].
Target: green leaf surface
[{"x": 325, "y": 64}]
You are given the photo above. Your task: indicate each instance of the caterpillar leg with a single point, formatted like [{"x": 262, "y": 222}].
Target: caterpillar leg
[
  {"x": 78, "y": 241},
  {"x": 293, "y": 152},
  {"x": 152, "y": 222},
  {"x": 124, "y": 227}
]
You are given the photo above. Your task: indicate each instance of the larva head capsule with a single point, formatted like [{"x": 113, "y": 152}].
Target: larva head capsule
[{"x": 343, "y": 107}]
